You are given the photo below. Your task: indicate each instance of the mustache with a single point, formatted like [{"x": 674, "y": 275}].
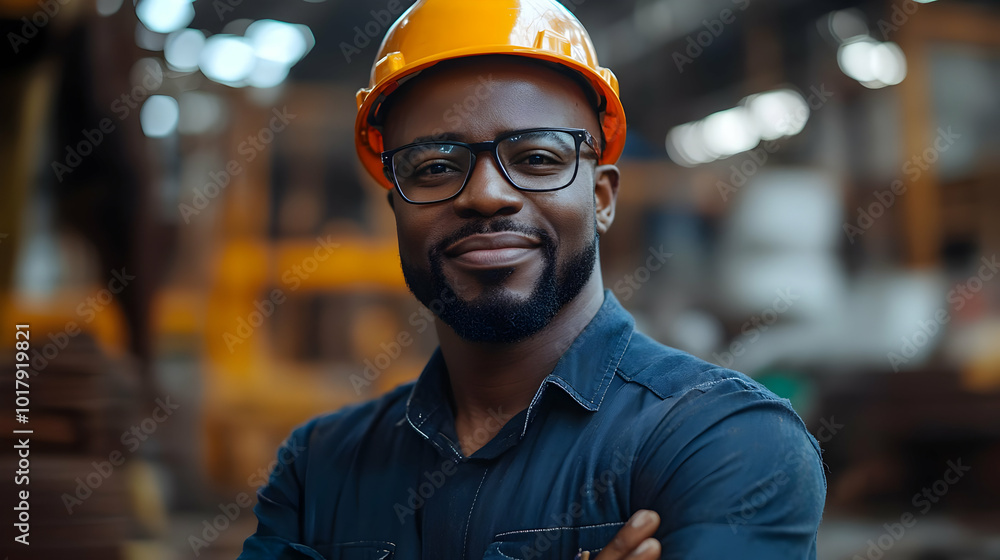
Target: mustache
[{"x": 492, "y": 226}]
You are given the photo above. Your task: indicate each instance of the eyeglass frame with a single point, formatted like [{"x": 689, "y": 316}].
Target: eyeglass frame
[{"x": 579, "y": 134}]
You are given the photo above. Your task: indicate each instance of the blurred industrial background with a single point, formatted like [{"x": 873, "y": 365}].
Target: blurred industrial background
[{"x": 809, "y": 196}]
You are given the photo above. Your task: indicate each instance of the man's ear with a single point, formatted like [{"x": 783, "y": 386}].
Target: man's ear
[{"x": 606, "y": 182}]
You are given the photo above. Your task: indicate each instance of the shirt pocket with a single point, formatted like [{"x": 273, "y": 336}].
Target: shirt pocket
[
  {"x": 557, "y": 543},
  {"x": 360, "y": 550}
]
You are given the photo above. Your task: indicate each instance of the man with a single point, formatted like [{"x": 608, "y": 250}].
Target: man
[{"x": 544, "y": 425}]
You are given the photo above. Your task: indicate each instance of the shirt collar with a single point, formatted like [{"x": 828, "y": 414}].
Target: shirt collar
[{"x": 584, "y": 372}]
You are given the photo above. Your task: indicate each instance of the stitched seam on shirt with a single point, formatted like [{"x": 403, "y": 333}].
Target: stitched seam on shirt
[
  {"x": 428, "y": 415},
  {"x": 531, "y": 406},
  {"x": 498, "y": 535},
  {"x": 707, "y": 385},
  {"x": 428, "y": 438},
  {"x": 500, "y": 552},
  {"x": 605, "y": 380},
  {"x": 738, "y": 379},
  {"x": 437, "y": 446},
  {"x": 379, "y": 544},
  {"x": 468, "y": 522},
  {"x": 416, "y": 428},
  {"x": 452, "y": 446},
  {"x": 607, "y": 370},
  {"x": 406, "y": 410},
  {"x": 769, "y": 396}
]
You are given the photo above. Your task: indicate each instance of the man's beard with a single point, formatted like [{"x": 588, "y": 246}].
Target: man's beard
[{"x": 495, "y": 315}]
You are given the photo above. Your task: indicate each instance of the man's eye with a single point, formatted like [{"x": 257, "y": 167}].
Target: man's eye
[
  {"x": 538, "y": 159},
  {"x": 437, "y": 168}
]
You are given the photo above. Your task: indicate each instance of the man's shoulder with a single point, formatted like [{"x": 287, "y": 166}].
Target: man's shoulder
[
  {"x": 669, "y": 372},
  {"x": 701, "y": 396},
  {"x": 700, "y": 401}
]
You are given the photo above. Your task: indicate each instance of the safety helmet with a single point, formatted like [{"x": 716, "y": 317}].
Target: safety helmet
[{"x": 431, "y": 31}]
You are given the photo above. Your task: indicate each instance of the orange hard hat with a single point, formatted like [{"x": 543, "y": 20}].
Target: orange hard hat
[{"x": 434, "y": 30}]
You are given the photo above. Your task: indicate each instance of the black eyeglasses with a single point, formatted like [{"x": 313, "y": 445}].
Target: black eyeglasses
[{"x": 534, "y": 159}]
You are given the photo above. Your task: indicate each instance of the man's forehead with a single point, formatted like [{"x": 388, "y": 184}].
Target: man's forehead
[
  {"x": 468, "y": 100},
  {"x": 484, "y": 73}
]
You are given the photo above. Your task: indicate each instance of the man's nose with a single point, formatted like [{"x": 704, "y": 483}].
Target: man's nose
[{"x": 487, "y": 192}]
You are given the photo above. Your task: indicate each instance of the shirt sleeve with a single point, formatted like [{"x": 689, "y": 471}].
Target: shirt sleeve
[
  {"x": 278, "y": 508},
  {"x": 733, "y": 473}
]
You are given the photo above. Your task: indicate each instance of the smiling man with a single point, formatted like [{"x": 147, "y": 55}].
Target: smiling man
[{"x": 544, "y": 425}]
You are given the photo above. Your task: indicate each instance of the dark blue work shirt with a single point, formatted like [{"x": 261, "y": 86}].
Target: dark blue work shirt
[{"x": 621, "y": 423}]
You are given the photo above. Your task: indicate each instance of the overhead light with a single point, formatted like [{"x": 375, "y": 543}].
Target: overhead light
[
  {"x": 888, "y": 63},
  {"x": 183, "y": 49},
  {"x": 778, "y": 113},
  {"x": 158, "y": 116},
  {"x": 277, "y": 41},
  {"x": 765, "y": 116},
  {"x": 684, "y": 145},
  {"x": 855, "y": 59},
  {"x": 165, "y": 16},
  {"x": 730, "y": 132},
  {"x": 267, "y": 73},
  {"x": 227, "y": 59},
  {"x": 872, "y": 63}
]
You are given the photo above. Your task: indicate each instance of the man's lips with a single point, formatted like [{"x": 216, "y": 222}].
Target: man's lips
[{"x": 488, "y": 250}]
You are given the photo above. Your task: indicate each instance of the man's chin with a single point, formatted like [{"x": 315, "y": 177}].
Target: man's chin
[
  {"x": 479, "y": 312},
  {"x": 498, "y": 317},
  {"x": 488, "y": 291},
  {"x": 470, "y": 283},
  {"x": 518, "y": 306}
]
